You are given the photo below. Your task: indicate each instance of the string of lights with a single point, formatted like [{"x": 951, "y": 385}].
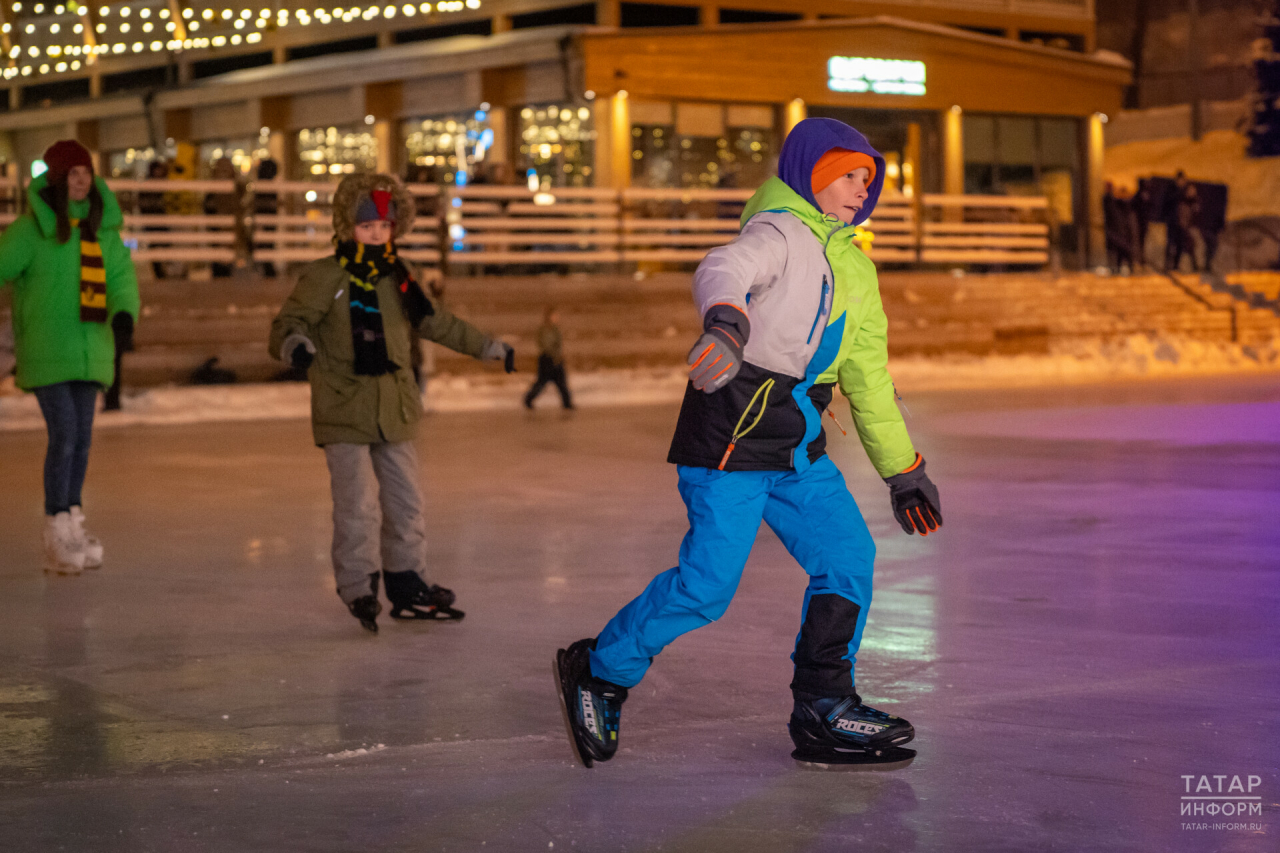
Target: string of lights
[{"x": 48, "y": 39}]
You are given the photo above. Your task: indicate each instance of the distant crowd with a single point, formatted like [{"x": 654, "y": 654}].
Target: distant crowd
[{"x": 1193, "y": 215}]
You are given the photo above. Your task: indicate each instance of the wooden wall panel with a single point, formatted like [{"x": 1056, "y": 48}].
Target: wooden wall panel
[{"x": 790, "y": 61}]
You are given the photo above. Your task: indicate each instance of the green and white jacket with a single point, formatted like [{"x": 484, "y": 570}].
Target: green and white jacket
[{"x": 816, "y": 321}]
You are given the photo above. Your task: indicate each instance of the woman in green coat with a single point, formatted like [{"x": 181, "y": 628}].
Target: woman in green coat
[{"x": 73, "y": 286}]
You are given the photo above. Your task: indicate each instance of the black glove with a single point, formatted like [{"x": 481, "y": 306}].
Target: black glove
[
  {"x": 122, "y": 330},
  {"x": 298, "y": 351},
  {"x": 717, "y": 356},
  {"x": 301, "y": 358},
  {"x": 915, "y": 499},
  {"x": 496, "y": 350}
]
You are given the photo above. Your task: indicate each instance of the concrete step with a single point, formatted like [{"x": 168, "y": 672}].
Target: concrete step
[{"x": 616, "y": 320}]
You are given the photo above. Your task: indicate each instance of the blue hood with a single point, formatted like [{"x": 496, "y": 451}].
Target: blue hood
[{"x": 806, "y": 144}]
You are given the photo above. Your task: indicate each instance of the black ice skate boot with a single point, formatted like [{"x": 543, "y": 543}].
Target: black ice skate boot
[
  {"x": 842, "y": 730},
  {"x": 366, "y": 608},
  {"x": 592, "y": 708},
  {"x": 411, "y": 598}
]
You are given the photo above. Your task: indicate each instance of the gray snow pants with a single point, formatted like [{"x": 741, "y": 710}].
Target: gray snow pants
[{"x": 377, "y": 512}]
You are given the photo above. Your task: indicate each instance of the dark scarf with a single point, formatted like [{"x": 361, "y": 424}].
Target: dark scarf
[{"x": 366, "y": 264}]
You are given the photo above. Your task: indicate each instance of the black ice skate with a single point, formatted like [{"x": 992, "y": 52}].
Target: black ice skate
[
  {"x": 411, "y": 598},
  {"x": 366, "y": 608},
  {"x": 846, "y": 732},
  {"x": 592, "y": 708}
]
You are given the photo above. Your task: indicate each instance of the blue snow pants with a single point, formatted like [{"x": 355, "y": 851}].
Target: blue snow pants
[{"x": 817, "y": 520}]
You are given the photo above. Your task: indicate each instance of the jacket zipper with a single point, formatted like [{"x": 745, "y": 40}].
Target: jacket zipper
[
  {"x": 738, "y": 431},
  {"x": 822, "y": 309}
]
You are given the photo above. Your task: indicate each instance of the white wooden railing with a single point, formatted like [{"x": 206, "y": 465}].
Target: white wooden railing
[
  {"x": 966, "y": 229},
  {"x": 487, "y": 228}
]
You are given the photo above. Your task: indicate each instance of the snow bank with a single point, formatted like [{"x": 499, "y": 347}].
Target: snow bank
[
  {"x": 1069, "y": 362},
  {"x": 1084, "y": 360}
]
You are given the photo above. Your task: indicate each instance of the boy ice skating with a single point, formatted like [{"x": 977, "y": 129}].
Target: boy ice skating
[
  {"x": 348, "y": 324},
  {"x": 790, "y": 309}
]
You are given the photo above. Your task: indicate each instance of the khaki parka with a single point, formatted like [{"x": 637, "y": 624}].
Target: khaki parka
[{"x": 345, "y": 407}]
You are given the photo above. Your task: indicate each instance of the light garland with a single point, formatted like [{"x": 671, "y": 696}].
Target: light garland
[{"x": 116, "y": 25}]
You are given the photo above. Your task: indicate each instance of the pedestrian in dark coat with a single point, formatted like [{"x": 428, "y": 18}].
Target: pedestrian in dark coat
[{"x": 550, "y": 361}]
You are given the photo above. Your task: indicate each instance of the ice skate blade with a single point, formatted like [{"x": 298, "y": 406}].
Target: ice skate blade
[
  {"x": 557, "y": 672},
  {"x": 434, "y": 614},
  {"x": 889, "y": 758}
]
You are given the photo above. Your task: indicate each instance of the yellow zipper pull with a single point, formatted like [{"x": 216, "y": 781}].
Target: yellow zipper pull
[{"x": 738, "y": 431}]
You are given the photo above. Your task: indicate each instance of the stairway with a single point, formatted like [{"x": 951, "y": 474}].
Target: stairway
[{"x": 617, "y": 320}]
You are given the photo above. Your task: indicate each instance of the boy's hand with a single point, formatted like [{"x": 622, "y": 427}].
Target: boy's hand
[
  {"x": 713, "y": 362},
  {"x": 915, "y": 499},
  {"x": 717, "y": 356},
  {"x": 298, "y": 351}
]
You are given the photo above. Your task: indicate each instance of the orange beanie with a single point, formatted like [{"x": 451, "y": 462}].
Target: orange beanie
[{"x": 837, "y": 162}]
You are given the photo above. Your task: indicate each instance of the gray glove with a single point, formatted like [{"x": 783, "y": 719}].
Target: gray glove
[
  {"x": 717, "y": 356},
  {"x": 496, "y": 350},
  {"x": 915, "y": 499},
  {"x": 298, "y": 351}
]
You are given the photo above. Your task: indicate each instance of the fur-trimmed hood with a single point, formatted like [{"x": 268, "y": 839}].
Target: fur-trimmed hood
[{"x": 356, "y": 186}]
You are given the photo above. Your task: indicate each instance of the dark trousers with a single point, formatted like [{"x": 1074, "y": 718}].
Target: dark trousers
[
  {"x": 1180, "y": 243},
  {"x": 549, "y": 371},
  {"x": 68, "y": 415}
]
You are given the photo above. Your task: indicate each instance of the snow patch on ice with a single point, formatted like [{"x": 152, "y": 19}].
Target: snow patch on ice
[{"x": 356, "y": 753}]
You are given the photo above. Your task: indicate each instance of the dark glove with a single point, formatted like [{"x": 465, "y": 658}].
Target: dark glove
[
  {"x": 915, "y": 499},
  {"x": 122, "y": 330},
  {"x": 496, "y": 350},
  {"x": 298, "y": 351},
  {"x": 717, "y": 356}
]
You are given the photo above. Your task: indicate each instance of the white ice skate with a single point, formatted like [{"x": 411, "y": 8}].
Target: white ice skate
[
  {"x": 89, "y": 543},
  {"x": 62, "y": 551}
]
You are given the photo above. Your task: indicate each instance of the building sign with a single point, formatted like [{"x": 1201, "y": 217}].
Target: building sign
[{"x": 881, "y": 76}]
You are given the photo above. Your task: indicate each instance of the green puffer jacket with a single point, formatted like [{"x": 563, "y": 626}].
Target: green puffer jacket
[
  {"x": 347, "y": 408},
  {"x": 52, "y": 344}
]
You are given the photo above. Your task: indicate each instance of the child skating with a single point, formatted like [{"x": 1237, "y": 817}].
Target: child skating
[
  {"x": 348, "y": 324},
  {"x": 75, "y": 298},
  {"x": 791, "y": 308}
]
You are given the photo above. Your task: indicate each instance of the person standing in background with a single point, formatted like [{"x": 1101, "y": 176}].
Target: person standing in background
[
  {"x": 1141, "y": 210},
  {"x": 265, "y": 204},
  {"x": 224, "y": 204},
  {"x": 1180, "y": 216},
  {"x": 74, "y": 296},
  {"x": 550, "y": 361},
  {"x": 152, "y": 204}
]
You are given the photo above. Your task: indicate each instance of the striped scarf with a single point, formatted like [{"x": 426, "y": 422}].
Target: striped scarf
[
  {"x": 93, "y": 280},
  {"x": 365, "y": 265}
]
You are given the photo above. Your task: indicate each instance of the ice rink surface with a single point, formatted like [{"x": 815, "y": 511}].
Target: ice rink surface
[{"x": 1099, "y": 618}]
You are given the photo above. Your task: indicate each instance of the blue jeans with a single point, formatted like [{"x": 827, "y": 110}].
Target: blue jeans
[
  {"x": 68, "y": 415},
  {"x": 817, "y": 520}
]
